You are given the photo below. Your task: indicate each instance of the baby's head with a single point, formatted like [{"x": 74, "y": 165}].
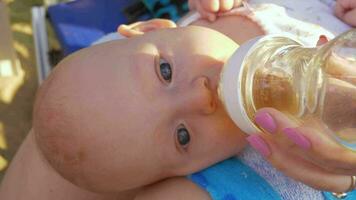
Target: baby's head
[{"x": 124, "y": 114}]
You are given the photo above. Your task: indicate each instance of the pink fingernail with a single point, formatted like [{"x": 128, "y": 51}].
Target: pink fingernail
[
  {"x": 259, "y": 144},
  {"x": 266, "y": 121},
  {"x": 297, "y": 138},
  {"x": 323, "y": 39}
]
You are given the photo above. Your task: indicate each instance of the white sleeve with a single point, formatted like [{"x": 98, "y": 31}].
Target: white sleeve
[
  {"x": 109, "y": 37},
  {"x": 320, "y": 12}
]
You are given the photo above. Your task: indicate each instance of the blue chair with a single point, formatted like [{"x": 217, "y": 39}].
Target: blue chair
[{"x": 79, "y": 23}]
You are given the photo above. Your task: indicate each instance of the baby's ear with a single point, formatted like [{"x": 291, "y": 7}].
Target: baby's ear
[{"x": 140, "y": 28}]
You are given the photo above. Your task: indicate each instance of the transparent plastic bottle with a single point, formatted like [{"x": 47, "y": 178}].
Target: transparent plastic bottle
[{"x": 315, "y": 86}]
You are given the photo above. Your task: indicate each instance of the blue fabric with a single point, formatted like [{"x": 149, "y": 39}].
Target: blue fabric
[
  {"x": 233, "y": 180},
  {"x": 350, "y": 196},
  {"x": 172, "y": 9},
  {"x": 286, "y": 187},
  {"x": 79, "y": 23}
]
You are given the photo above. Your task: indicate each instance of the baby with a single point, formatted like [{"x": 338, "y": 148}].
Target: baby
[{"x": 117, "y": 117}]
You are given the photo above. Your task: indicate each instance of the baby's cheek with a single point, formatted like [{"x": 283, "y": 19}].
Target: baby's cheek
[{"x": 65, "y": 155}]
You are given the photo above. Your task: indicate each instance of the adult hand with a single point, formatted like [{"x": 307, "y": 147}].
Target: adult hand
[
  {"x": 210, "y": 8},
  {"x": 304, "y": 153},
  {"x": 346, "y": 11}
]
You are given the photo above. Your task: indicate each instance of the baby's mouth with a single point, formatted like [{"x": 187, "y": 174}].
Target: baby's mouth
[
  {"x": 214, "y": 81},
  {"x": 213, "y": 74}
]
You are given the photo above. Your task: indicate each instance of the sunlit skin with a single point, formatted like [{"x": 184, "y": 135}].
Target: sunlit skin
[
  {"x": 107, "y": 121},
  {"x": 106, "y": 114}
]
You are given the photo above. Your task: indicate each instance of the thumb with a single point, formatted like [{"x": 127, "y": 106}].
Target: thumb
[{"x": 298, "y": 168}]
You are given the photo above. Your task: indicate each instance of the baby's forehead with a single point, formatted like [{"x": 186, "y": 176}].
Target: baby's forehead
[{"x": 174, "y": 34}]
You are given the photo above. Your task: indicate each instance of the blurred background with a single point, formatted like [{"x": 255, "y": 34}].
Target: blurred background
[
  {"x": 37, "y": 34},
  {"x": 18, "y": 78}
]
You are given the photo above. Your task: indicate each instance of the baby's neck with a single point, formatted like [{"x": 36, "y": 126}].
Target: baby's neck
[{"x": 238, "y": 28}]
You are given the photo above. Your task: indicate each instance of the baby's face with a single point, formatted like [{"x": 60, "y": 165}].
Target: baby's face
[{"x": 132, "y": 112}]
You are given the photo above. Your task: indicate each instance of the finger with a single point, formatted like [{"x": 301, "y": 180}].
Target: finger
[
  {"x": 350, "y": 17},
  {"x": 347, "y": 4},
  {"x": 210, "y": 5},
  {"x": 310, "y": 143},
  {"x": 238, "y": 3},
  {"x": 274, "y": 122},
  {"x": 191, "y": 4},
  {"x": 325, "y": 152},
  {"x": 315, "y": 144},
  {"x": 343, "y": 7},
  {"x": 339, "y": 10},
  {"x": 205, "y": 14},
  {"x": 226, "y": 5},
  {"x": 298, "y": 168}
]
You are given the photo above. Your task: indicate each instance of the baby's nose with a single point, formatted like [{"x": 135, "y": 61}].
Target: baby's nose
[{"x": 200, "y": 97}]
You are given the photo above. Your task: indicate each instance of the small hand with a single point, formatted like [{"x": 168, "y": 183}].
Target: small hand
[
  {"x": 346, "y": 11},
  {"x": 303, "y": 153},
  {"x": 210, "y": 8}
]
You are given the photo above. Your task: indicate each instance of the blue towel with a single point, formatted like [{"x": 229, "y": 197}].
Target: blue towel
[{"x": 233, "y": 180}]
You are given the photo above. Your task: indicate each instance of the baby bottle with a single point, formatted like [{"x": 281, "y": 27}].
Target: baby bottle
[{"x": 314, "y": 86}]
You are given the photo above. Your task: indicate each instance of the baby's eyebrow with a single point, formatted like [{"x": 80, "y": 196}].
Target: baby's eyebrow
[{"x": 142, "y": 71}]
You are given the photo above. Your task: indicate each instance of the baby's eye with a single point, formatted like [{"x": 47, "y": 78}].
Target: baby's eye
[
  {"x": 183, "y": 136},
  {"x": 165, "y": 70}
]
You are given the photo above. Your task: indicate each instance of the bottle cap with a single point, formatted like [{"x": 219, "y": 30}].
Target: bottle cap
[{"x": 231, "y": 94}]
